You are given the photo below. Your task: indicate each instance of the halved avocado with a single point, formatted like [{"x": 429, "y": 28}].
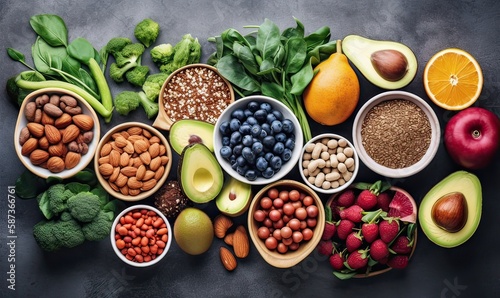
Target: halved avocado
[
  {"x": 200, "y": 175},
  {"x": 189, "y": 131},
  {"x": 465, "y": 183},
  {"x": 386, "y": 64},
  {"x": 235, "y": 197}
]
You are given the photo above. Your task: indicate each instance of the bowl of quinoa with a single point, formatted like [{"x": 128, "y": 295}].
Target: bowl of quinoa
[
  {"x": 195, "y": 91},
  {"x": 396, "y": 134}
]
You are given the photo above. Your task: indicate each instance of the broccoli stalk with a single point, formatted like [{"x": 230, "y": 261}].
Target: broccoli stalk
[
  {"x": 127, "y": 101},
  {"x": 147, "y": 31}
]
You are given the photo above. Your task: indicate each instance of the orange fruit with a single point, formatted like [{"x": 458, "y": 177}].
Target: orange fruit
[
  {"x": 453, "y": 79},
  {"x": 333, "y": 93}
]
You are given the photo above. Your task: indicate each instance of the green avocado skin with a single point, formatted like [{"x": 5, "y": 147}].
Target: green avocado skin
[{"x": 460, "y": 181}]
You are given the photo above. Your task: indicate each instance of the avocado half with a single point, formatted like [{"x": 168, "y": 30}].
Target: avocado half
[
  {"x": 189, "y": 131},
  {"x": 391, "y": 72},
  {"x": 467, "y": 184},
  {"x": 234, "y": 198},
  {"x": 199, "y": 174}
]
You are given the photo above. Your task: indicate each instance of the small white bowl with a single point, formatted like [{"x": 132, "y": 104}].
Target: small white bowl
[
  {"x": 399, "y": 172},
  {"x": 341, "y": 187},
  {"x": 287, "y": 114},
  {"x": 118, "y": 252}
]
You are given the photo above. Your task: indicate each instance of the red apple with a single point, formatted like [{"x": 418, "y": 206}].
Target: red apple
[{"x": 472, "y": 137}]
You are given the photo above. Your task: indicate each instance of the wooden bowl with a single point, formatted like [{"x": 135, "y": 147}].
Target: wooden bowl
[
  {"x": 164, "y": 120},
  {"x": 290, "y": 258}
]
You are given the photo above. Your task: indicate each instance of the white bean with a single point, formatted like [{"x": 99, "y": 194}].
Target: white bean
[
  {"x": 325, "y": 155},
  {"x": 341, "y": 181},
  {"x": 341, "y": 157},
  {"x": 305, "y": 163},
  {"x": 315, "y": 173},
  {"x": 326, "y": 185},
  {"x": 312, "y": 166},
  {"x": 342, "y": 142},
  {"x": 332, "y": 144},
  {"x": 349, "y": 162},
  {"x": 321, "y": 163},
  {"x": 340, "y": 150},
  {"x": 309, "y": 147},
  {"x": 335, "y": 184},
  {"x": 305, "y": 172},
  {"x": 320, "y": 178},
  {"x": 306, "y": 156},
  {"x": 347, "y": 176},
  {"x": 311, "y": 179},
  {"x": 324, "y": 141},
  {"x": 326, "y": 170},
  {"x": 342, "y": 168},
  {"x": 349, "y": 152}
]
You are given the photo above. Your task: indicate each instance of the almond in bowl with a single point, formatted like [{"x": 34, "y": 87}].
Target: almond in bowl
[
  {"x": 56, "y": 133},
  {"x": 132, "y": 161}
]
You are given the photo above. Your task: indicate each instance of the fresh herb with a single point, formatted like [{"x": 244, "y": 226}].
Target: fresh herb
[{"x": 273, "y": 63}]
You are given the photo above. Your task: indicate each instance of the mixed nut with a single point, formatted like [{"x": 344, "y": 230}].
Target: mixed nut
[{"x": 57, "y": 133}]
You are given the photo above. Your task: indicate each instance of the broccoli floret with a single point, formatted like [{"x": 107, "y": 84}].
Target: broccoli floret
[
  {"x": 99, "y": 228},
  {"x": 128, "y": 58},
  {"x": 126, "y": 101},
  {"x": 186, "y": 51},
  {"x": 58, "y": 195},
  {"x": 84, "y": 206},
  {"x": 162, "y": 54},
  {"x": 66, "y": 216},
  {"x": 150, "y": 107},
  {"x": 116, "y": 44},
  {"x": 137, "y": 75},
  {"x": 43, "y": 232},
  {"x": 147, "y": 31},
  {"x": 68, "y": 233},
  {"x": 153, "y": 84}
]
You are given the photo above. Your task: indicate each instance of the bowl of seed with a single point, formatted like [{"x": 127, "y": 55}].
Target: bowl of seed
[
  {"x": 396, "y": 134},
  {"x": 195, "y": 91}
]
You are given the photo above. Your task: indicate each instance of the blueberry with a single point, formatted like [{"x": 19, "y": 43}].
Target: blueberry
[
  {"x": 266, "y": 127},
  {"x": 247, "y": 140},
  {"x": 278, "y": 148},
  {"x": 278, "y": 115},
  {"x": 269, "y": 142},
  {"x": 257, "y": 148},
  {"x": 248, "y": 155},
  {"x": 276, "y": 163},
  {"x": 237, "y": 149},
  {"x": 251, "y": 120},
  {"x": 268, "y": 156},
  {"x": 238, "y": 114},
  {"x": 266, "y": 107},
  {"x": 255, "y": 130},
  {"x": 225, "y": 141},
  {"x": 232, "y": 159},
  {"x": 290, "y": 143},
  {"x": 234, "y": 124},
  {"x": 270, "y": 118},
  {"x": 235, "y": 138},
  {"x": 260, "y": 115},
  {"x": 276, "y": 126},
  {"x": 251, "y": 175},
  {"x": 224, "y": 128},
  {"x": 286, "y": 155},
  {"x": 263, "y": 134},
  {"x": 261, "y": 164},
  {"x": 247, "y": 113},
  {"x": 245, "y": 128},
  {"x": 253, "y": 106},
  {"x": 225, "y": 151},
  {"x": 280, "y": 137},
  {"x": 242, "y": 170},
  {"x": 234, "y": 166},
  {"x": 268, "y": 173},
  {"x": 288, "y": 126},
  {"x": 240, "y": 161}
]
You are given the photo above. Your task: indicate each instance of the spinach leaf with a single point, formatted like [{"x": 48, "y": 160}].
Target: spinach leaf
[
  {"x": 267, "y": 67},
  {"x": 322, "y": 52},
  {"x": 268, "y": 39},
  {"x": 296, "y": 49},
  {"x": 231, "y": 36},
  {"x": 233, "y": 71},
  {"x": 298, "y": 31},
  {"x": 81, "y": 50},
  {"x": 244, "y": 54},
  {"x": 279, "y": 56},
  {"x": 301, "y": 79},
  {"x": 87, "y": 79},
  {"x": 46, "y": 57},
  {"x": 51, "y": 28},
  {"x": 273, "y": 90},
  {"x": 16, "y": 55},
  {"x": 318, "y": 37}
]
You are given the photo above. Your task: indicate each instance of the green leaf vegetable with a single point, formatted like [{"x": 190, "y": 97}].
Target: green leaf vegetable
[
  {"x": 146, "y": 31},
  {"x": 273, "y": 63},
  {"x": 169, "y": 58},
  {"x": 74, "y": 213},
  {"x": 127, "y": 101},
  {"x": 58, "y": 63}
]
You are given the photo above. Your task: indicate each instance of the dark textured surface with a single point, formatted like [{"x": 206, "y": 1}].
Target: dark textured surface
[{"x": 93, "y": 270}]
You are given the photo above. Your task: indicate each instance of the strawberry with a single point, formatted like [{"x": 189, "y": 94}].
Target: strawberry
[
  {"x": 383, "y": 201},
  {"x": 369, "y": 232},
  {"x": 379, "y": 250},
  {"x": 353, "y": 213},
  {"x": 353, "y": 241},
  {"x": 366, "y": 199},
  {"x": 357, "y": 259},
  {"x": 401, "y": 245},
  {"x": 337, "y": 261},
  {"x": 398, "y": 261},
  {"x": 346, "y": 198},
  {"x": 344, "y": 228},
  {"x": 329, "y": 231},
  {"x": 325, "y": 247},
  {"x": 388, "y": 229}
]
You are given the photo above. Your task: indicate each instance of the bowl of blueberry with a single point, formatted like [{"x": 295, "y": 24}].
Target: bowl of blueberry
[{"x": 257, "y": 140}]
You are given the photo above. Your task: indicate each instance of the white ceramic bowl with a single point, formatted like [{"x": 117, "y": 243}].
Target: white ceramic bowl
[
  {"x": 22, "y": 122},
  {"x": 399, "y": 172},
  {"x": 345, "y": 184},
  {"x": 118, "y": 252},
  {"x": 287, "y": 114}
]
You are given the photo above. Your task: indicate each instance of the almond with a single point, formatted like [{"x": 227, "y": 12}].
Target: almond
[
  {"x": 229, "y": 239},
  {"x": 39, "y": 156},
  {"x": 125, "y": 134},
  {"x": 114, "y": 158},
  {"x": 70, "y": 133},
  {"x": 134, "y": 130},
  {"x": 164, "y": 160},
  {"x": 83, "y": 121},
  {"x": 222, "y": 223},
  {"x": 121, "y": 141},
  {"x": 106, "y": 169},
  {"x": 146, "y": 133},
  {"x": 154, "y": 150},
  {"x": 114, "y": 186},
  {"x": 125, "y": 190},
  {"x": 227, "y": 259},
  {"x": 241, "y": 244},
  {"x": 29, "y": 146},
  {"x": 137, "y": 162},
  {"x": 55, "y": 164},
  {"x": 46, "y": 119},
  {"x": 141, "y": 146},
  {"x": 154, "y": 140},
  {"x": 58, "y": 149},
  {"x": 43, "y": 143},
  {"x": 52, "y": 133},
  {"x": 148, "y": 185},
  {"x": 133, "y": 183},
  {"x": 72, "y": 159},
  {"x": 121, "y": 180},
  {"x": 36, "y": 129},
  {"x": 124, "y": 159},
  {"x": 135, "y": 138},
  {"x": 129, "y": 171},
  {"x": 129, "y": 148},
  {"x": 104, "y": 159},
  {"x": 159, "y": 173},
  {"x": 133, "y": 192},
  {"x": 148, "y": 175},
  {"x": 114, "y": 176},
  {"x": 155, "y": 163},
  {"x": 63, "y": 121},
  {"x": 145, "y": 158},
  {"x": 106, "y": 149},
  {"x": 141, "y": 171}
]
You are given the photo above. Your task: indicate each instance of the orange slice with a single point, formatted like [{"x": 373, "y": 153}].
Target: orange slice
[{"x": 453, "y": 79}]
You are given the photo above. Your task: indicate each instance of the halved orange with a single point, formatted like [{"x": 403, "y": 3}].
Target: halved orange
[{"x": 453, "y": 79}]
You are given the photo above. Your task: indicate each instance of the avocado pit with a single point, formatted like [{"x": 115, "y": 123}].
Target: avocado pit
[
  {"x": 449, "y": 212},
  {"x": 392, "y": 65}
]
